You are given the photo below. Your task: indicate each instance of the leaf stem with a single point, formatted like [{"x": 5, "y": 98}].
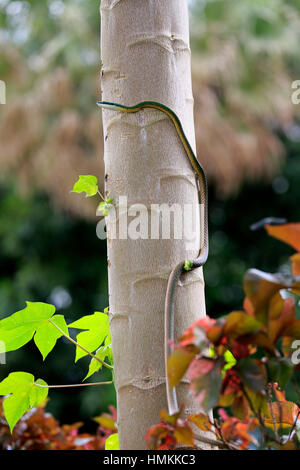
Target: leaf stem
[
  {"x": 74, "y": 385},
  {"x": 81, "y": 347},
  {"x": 101, "y": 195}
]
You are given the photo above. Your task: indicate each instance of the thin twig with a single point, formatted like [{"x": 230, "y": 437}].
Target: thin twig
[
  {"x": 270, "y": 390},
  {"x": 101, "y": 195},
  {"x": 261, "y": 421},
  {"x": 218, "y": 428},
  {"x": 225, "y": 443},
  {"x": 257, "y": 414},
  {"x": 294, "y": 425},
  {"x": 74, "y": 385},
  {"x": 81, "y": 347},
  {"x": 214, "y": 442}
]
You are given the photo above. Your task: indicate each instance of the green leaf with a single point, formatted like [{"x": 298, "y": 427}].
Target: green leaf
[
  {"x": 38, "y": 394},
  {"x": 230, "y": 361},
  {"x": 102, "y": 353},
  {"x": 98, "y": 329},
  {"x": 211, "y": 351},
  {"x": 15, "y": 339},
  {"x": 19, "y": 328},
  {"x": 46, "y": 335},
  {"x": 24, "y": 393},
  {"x": 188, "y": 265},
  {"x": 31, "y": 316},
  {"x": 87, "y": 184},
  {"x": 104, "y": 207},
  {"x": 112, "y": 442}
]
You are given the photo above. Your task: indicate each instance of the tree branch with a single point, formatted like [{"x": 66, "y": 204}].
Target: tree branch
[{"x": 81, "y": 347}]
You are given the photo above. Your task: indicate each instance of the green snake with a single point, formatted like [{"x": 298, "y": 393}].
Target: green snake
[{"x": 203, "y": 253}]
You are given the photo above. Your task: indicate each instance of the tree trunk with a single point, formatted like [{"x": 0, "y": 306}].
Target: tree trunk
[{"x": 146, "y": 57}]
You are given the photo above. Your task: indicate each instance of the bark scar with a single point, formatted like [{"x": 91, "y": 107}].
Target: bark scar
[
  {"x": 170, "y": 44},
  {"x": 109, "y": 7}
]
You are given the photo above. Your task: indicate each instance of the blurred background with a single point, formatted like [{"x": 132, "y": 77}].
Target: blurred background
[{"x": 245, "y": 56}]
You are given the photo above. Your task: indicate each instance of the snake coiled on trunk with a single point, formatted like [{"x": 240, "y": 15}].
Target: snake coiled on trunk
[{"x": 203, "y": 253}]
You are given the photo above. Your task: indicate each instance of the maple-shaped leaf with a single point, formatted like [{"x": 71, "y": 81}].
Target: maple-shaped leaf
[
  {"x": 23, "y": 393},
  {"x": 87, "y": 184},
  {"x": 34, "y": 320},
  {"x": 104, "y": 207},
  {"x": 288, "y": 233},
  {"x": 104, "y": 352},
  {"x": 97, "y": 326},
  {"x": 47, "y": 334}
]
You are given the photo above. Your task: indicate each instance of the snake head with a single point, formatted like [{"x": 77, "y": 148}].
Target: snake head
[{"x": 108, "y": 105}]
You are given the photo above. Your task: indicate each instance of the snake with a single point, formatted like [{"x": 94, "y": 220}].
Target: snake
[{"x": 203, "y": 252}]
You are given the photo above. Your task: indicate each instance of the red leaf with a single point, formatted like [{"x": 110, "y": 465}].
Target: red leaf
[
  {"x": 284, "y": 413},
  {"x": 295, "y": 260},
  {"x": 238, "y": 431},
  {"x": 178, "y": 364},
  {"x": 239, "y": 323},
  {"x": 183, "y": 433},
  {"x": 284, "y": 324},
  {"x": 159, "y": 437},
  {"x": 201, "y": 420},
  {"x": 288, "y": 233},
  {"x": 206, "y": 381},
  {"x": 260, "y": 287},
  {"x": 188, "y": 336}
]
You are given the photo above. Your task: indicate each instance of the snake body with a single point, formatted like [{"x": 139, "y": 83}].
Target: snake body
[{"x": 203, "y": 253}]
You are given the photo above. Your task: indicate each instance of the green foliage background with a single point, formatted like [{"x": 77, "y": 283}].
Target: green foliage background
[{"x": 51, "y": 254}]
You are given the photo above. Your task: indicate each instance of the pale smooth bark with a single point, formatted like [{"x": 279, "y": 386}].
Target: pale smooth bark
[{"x": 146, "y": 56}]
